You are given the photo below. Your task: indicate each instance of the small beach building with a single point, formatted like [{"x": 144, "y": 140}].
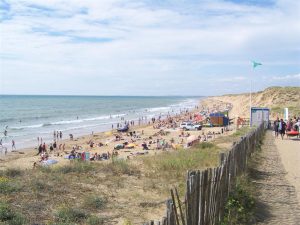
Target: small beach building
[
  {"x": 219, "y": 119},
  {"x": 259, "y": 115}
]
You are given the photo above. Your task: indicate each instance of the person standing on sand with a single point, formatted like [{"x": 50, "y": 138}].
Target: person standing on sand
[
  {"x": 40, "y": 149},
  {"x": 276, "y": 126},
  {"x": 44, "y": 147},
  {"x": 13, "y": 145},
  {"x": 282, "y": 128}
]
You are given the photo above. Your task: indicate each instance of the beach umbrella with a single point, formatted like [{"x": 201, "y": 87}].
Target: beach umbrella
[{"x": 191, "y": 138}]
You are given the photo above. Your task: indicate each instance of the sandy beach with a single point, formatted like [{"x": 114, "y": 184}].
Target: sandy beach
[
  {"x": 141, "y": 190},
  {"x": 160, "y": 131}
]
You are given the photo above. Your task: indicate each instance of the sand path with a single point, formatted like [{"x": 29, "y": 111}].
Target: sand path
[
  {"x": 277, "y": 196},
  {"x": 289, "y": 150}
]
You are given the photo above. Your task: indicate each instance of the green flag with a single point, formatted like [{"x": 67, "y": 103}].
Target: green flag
[{"x": 255, "y": 64}]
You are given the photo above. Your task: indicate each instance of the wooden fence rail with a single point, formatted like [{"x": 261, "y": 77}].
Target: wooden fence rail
[{"x": 207, "y": 190}]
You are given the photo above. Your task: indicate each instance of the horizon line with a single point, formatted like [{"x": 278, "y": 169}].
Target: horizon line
[{"x": 66, "y": 95}]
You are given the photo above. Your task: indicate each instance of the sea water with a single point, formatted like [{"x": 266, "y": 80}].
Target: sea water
[{"x": 27, "y": 117}]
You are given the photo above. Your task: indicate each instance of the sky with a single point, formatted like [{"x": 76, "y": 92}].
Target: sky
[{"x": 147, "y": 47}]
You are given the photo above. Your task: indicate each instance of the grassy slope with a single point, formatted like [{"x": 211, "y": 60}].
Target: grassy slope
[
  {"x": 275, "y": 98},
  {"x": 104, "y": 193},
  {"x": 283, "y": 97}
]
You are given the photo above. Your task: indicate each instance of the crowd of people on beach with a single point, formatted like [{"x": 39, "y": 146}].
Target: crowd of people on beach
[
  {"x": 131, "y": 139},
  {"x": 131, "y": 142}
]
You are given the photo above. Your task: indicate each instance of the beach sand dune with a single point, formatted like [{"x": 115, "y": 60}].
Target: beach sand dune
[{"x": 275, "y": 98}]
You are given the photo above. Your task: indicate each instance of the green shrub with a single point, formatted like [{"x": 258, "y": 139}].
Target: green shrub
[
  {"x": 5, "y": 212},
  {"x": 203, "y": 145},
  {"x": 40, "y": 185},
  {"x": 239, "y": 208},
  {"x": 95, "y": 202},
  {"x": 66, "y": 215},
  {"x": 8, "y": 216},
  {"x": 11, "y": 172},
  {"x": 8, "y": 186}
]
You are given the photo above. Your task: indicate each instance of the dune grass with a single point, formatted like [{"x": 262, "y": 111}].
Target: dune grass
[
  {"x": 177, "y": 163},
  {"x": 10, "y": 216},
  {"x": 232, "y": 138},
  {"x": 102, "y": 192},
  {"x": 242, "y": 131},
  {"x": 120, "y": 167}
]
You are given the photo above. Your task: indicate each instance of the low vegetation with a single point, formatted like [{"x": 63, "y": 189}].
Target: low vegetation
[
  {"x": 225, "y": 142},
  {"x": 104, "y": 192},
  {"x": 101, "y": 193},
  {"x": 177, "y": 163},
  {"x": 9, "y": 216},
  {"x": 120, "y": 166},
  {"x": 240, "y": 206},
  {"x": 95, "y": 202},
  {"x": 8, "y": 186}
]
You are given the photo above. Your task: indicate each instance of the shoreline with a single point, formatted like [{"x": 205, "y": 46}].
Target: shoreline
[
  {"x": 26, "y": 157},
  {"x": 25, "y": 133}
]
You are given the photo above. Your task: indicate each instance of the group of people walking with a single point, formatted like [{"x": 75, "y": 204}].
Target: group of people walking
[{"x": 281, "y": 127}]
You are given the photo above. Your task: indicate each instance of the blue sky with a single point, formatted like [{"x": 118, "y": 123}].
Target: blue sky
[{"x": 147, "y": 47}]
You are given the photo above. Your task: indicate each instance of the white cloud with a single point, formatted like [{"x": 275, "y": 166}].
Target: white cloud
[
  {"x": 180, "y": 41},
  {"x": 287, "y": 77}
]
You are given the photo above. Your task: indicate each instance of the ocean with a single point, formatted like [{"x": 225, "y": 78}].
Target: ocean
[{"x": 27, "y": 117}]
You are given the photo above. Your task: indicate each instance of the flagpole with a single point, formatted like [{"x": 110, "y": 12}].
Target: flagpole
[
  {"x": 255, "y": 64},
  {"x": 250, "y": 104}
]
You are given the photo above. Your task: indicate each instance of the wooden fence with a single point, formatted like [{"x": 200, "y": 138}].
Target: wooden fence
[{"x": 208, "y": 190}]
